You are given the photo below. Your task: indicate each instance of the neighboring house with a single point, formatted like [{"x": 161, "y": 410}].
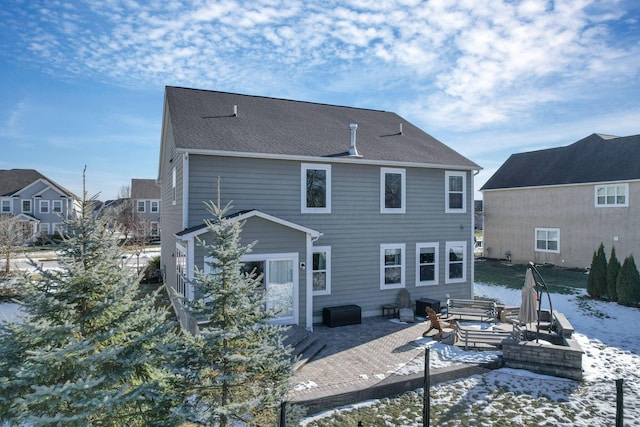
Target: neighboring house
[
  {"x": 557, "y": 205},
  {"x": 145, "y": 197},
  {"x": 347, "y": 205},
  {"x": 37, "y": 201}
]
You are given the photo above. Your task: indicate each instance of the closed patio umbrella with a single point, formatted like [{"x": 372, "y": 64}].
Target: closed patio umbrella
[{"x": 528, "y": 308}]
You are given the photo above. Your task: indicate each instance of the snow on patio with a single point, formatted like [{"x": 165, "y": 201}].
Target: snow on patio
[{"x": 611, "y": 344}]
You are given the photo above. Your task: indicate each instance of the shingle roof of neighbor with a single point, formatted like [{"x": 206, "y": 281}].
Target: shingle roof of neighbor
[
  {"x": 13, "y": 180},
  {"x": 204, "y": 120},
  {"x": 596, "y": 158},
  {"x": 145, "y": 189}
]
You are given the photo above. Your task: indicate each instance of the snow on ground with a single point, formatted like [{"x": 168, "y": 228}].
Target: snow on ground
[{"x": 611, "y": 344}]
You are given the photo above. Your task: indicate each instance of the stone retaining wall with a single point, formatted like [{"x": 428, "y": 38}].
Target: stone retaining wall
[{"x": 558, "y": 360}]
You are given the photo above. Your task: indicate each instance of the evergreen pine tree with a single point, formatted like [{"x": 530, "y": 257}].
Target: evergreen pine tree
[
  {"x": 613, "y": 267},
  {"x": 89, "y": 350},
  {"x": 597, "y": 281},
  {"x": 628, "y": 288},
  {"x": 237, "y": 364}
]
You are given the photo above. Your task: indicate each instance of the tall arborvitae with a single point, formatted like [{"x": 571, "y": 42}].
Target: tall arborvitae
[
  {"x": 597, "y": 281},
  {"x": 237, "y": 363},
  {"x": 613, "y": 267},
  {"x": 89, "y": 350},
  {"x": 629, "y": 283}
]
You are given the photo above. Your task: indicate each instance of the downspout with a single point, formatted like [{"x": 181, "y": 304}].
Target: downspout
[{"x": 473, "y": 234}]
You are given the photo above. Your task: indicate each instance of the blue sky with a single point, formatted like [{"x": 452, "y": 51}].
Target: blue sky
[{"x": 83, "y": 81}]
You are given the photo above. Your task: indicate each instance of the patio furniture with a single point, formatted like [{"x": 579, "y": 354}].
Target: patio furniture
[
  {"x": 478, "y": 338},
  {"x": 423, "y": 303},
  {"x": 389, "y": 310},
  {"x": 342, "y": 315},
  {"x": 485, "y": 310}
]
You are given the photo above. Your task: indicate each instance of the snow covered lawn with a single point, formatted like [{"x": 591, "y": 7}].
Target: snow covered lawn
[{"x": 609, "y": 336}]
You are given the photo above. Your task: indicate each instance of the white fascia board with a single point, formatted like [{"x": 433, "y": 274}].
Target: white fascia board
[{"x": 346, "y": 159}]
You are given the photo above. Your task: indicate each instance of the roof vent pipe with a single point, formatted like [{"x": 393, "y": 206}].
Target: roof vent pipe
[
  {"x": 352, "y": 150},
  {"x": 235, "y": 110},
  {"x": 400, "y": 128}
]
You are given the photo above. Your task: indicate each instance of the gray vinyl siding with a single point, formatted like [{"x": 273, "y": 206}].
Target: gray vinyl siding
[
  {"x": 354, "y": 229},
  {"x": 171, "y": 218}
]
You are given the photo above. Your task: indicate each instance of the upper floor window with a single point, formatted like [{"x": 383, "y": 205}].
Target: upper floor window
[
  {"x": 426, "y": 264},
  {"x": 455, "y": 192},
  {"x": 392, "y": 190},
  {"x": 612, "y": 195},
  {"x": 456, "y": 262},
  {"x": 173, "y": 186},
  {"x": 392, "y": 264},
  {"x": 44, "y": 206},
  {"x": 155, "y": 206},
  {"x": 6, "y": 206},
  {"x": 57, "y": 206},
  {"x": 26, "y": 205},
  {"x": 140, "y": 205},
  {"x": 548, "y": 240},
  {"x": 321, "y": 270},
  {"x": 316, "y": 188}
]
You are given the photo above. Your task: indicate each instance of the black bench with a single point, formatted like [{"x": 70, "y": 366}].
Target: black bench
[
  {"x": 423, "y": 303},
  {"x": 341, "y": 315}
]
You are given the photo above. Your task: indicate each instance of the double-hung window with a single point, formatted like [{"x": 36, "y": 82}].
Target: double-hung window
[
  {"x": 6, "y": 206},
  {"x": 426, "y": 264},
  {"x": 455, "y": 192},
  {"x": 57, "y": 206},
  {"x": 316, "y": 188},
  {"x": 392, "y": 190},
  {"x": 321, "y": 270},
  {"x": 548, "y": 240},
  {"x": 26, "y": 205},
  {"x": 612, "y": 195},
  {"x": 155, "y": 206},
  {"x": 44, "y": 206},
  {"x": 141, "y": 204},
  {"x": 392, "y": 264},
  {"x": 456, "y": 253}
]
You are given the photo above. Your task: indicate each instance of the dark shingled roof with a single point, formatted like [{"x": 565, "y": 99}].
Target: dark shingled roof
[
  {"x": 14, "y": 180},
  {"x": 147, "y": 189},
  {"x": 204, "y": 120},
  {"x": 596, "y": 158}
]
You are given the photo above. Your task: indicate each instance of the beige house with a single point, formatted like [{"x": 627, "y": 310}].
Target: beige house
[{"x": 557, "y": 205}]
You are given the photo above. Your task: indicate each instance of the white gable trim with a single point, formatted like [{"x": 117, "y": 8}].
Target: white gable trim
[{"x": 256, "y": 213}]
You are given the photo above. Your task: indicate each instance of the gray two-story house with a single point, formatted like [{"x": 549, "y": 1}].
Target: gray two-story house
[
  {"x": 145, "y": 197},
  {"x": 347, "y": 205},
  {"x": 39, "y": 203}
]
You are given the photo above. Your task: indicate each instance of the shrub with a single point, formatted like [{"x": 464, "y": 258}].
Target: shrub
[
  {"x": 613, "y": 267},
  {"x": 628, "y": 284},
  {"x": 597, "y": 282}
]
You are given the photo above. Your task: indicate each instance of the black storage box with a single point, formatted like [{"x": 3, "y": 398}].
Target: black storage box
[
  {"x": 423, "y": 303},
  {"x": 341, "y": 315}
]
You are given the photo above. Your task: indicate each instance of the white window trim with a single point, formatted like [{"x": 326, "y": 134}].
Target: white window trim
[
  {"x": 10, "y": 204},
  {"x": 448, "y": 247},
  {"x": 43, "y": 228},
  {"x": 614, "y": 205},
  {"x": 535, "y": 240},
  {"x": 47, "y": 204},
  {"x": 403, "y": 183},
  {"x": 157, "y": 224},
  {"x": 327, "y": 254},
  {"x": 30, "y": 205},
  {"x": 155, "y": 203},
  {"x": 182, "y": 276},
  {"x": 448, "y": 209},
  {"x": 403, "y": 264},
  {"x": 303, "y": 188},
  {"x": 57, "y": 203},
  {"x": 142, "y": 203},
  {"x": 435, "y": 246}
]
